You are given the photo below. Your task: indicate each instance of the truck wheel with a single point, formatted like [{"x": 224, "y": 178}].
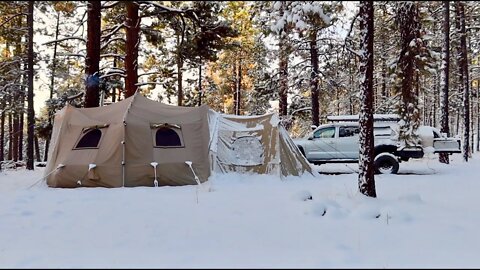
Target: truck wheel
[{"x": 386, "y": 163}]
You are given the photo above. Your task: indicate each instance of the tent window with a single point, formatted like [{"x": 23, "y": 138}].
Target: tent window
[
  {"x": 248, "y": 151},
  {"x": 90, "y": 138},
  {"x": 168, "y": 136}
]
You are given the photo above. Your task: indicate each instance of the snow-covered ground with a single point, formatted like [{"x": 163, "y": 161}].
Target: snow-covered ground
[{"x": 427, "y": 216}]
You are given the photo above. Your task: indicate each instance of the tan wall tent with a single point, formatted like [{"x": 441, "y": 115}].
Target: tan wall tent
[
  {"x": 129, "y": 143},
  {"x": 254, "y": 144}
]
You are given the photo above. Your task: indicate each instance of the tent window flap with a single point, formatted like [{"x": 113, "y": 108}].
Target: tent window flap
[
  {"x": 167, "y": 135},
  {"x": 247, "y": 151},
  {"x": 90, "y": 138}
]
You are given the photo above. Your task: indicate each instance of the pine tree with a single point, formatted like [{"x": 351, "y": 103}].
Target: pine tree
[
  {"x": 444, "y": 77},
  {"x": 366, "y": 177},
  {"x": 92, "y": 61}
]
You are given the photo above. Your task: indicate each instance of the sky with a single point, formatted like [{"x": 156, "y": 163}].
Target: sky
[{"x": 424, "y": 217}]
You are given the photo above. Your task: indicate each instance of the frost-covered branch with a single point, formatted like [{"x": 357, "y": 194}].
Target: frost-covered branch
[
  {"x": 70, "y": 98},
  {"x": 114, "y": 31},
  {"x": 149, "y": 73},
  {"x": 299, "y": 110},
  {"x": 113, "y": 74},
  {"x": 112, "y": 40},
  {"x": 347, "y": 37},
  {"x": 8, "y": 85},
  {"x": 107, "y": 5},
  {"x": 72, "y": 55},
  {"x": 147, "y": 83},
  {"x": 63, "y": 39},
  {"x": 161, "y": 7},
  {"x": 112, "y": 55},
  {"x": 8, "y": 63}
]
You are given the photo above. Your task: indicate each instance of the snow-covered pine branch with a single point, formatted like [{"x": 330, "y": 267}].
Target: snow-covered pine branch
[
  {"x": 114, "y": 31},
  {"x": 121, "y": 74},
  {"x": 149, "y": 73},
  {"x": 107, "y": 4}
]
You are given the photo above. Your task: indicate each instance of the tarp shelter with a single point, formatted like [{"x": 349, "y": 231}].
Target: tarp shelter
[
  {"x": 129, "y": 143},
  {"x": 253, "y": 144}
]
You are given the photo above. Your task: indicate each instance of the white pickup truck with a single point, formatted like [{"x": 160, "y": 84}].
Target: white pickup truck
[{"x": 339, "y": 142}]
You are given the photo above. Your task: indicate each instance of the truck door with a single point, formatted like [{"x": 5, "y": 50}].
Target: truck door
[
  {"x": 347, "y": 142},
  {"x": 323, "y": 144}
]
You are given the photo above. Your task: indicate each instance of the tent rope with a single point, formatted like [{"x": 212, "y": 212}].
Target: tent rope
[{"x": 45, "y": 176}]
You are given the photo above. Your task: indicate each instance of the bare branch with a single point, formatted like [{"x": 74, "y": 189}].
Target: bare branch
[
  {"x": 81, "y": 22},
  {"x": 13, "y": 17}
]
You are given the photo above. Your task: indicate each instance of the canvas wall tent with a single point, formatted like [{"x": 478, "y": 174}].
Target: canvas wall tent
[
  {"x": 254, "y": 144},
  {"x": 118, "y": 145}
]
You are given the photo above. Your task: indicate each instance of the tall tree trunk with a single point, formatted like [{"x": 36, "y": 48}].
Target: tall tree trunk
[
  {"x": 15, "y": 136},
  {"x": 10, "y": 133},
  {"x": 132, "y": 43},
  {"x": 384, "y": 94},
  {"x": 408, "y": 108},
  {"x": 2, "y": 135},
  {"x": 444, "y": 78},
  {"x": 434, "y": 105},
  {"x": 37, "y": 150},
  {"x": 283, "y": 66},
  {"x": 238, "y": 100},
  {"x": 234, "y": 85},
  {"x": 179, "y": 60},
  {"x": 200, "y": 91},
  {"x": 20, "y": 98},
  {"x": 52, "y": 86},
  {"x": 92, "y": 93},
  {"x": 114, "y": 90},
  {"x": 460, "y": 13},
  {"x": 21, "y": 114},
  {"x": 314, "y": 78},
  {"x": 478, "y": 115},
  {"x": 31, "y": 112},
  {"x": 366, "y": 173},
  {"x": 478, "y": 118}
]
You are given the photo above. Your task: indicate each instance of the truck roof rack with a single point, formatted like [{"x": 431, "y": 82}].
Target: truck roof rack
[{"x": 355, "y": 118}]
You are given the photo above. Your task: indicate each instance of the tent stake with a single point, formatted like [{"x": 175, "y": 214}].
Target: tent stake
[
  {"x": 154, "y": 164},
  {"x": 189, "y": 163}
]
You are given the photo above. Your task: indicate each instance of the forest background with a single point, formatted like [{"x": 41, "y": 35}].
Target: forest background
[{"x": 301, "y": 59}]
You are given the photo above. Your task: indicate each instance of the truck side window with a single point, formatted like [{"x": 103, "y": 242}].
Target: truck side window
[
  {"x": 347, "y": 131},
  {"x": 325, "y": 133}
]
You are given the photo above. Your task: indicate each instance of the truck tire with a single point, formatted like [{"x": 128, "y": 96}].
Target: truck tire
[{"x": 386, "y": 163}]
